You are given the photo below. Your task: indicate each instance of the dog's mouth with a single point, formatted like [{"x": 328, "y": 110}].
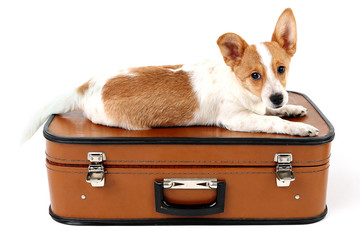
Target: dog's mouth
[{"x": 277, "y": 106}]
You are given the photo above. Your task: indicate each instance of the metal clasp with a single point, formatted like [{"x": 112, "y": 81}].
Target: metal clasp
[
  {"x": 190, "y": 183},
  {"x": 284, "y": 173},
  {"x": 96, "y": 171}
]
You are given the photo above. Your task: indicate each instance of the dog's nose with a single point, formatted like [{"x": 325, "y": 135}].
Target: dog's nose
[{"x": 277, "y": 98}]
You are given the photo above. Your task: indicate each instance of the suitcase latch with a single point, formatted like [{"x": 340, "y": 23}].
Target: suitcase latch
[
  {"x": 96, "y": 171},
  {"x": 284, "y": 172}
]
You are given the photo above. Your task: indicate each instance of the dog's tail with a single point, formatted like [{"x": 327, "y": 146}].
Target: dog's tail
[{"x": 62, "y": 104}]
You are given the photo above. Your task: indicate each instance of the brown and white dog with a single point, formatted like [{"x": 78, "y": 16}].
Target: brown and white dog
[{"x": 246, "y": 92}]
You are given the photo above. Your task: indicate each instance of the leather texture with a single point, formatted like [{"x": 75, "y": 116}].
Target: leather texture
[
  {"x": 129, "y": 192},
  {"x": 132, "y": 169},
  {"x": 169, "y": 155}
]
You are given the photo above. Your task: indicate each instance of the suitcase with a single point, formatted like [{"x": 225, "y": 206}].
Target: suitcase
[{"x": 101, "y": 175}]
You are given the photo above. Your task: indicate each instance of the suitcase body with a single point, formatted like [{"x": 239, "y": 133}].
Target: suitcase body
[{"x": 186, "y": 175}]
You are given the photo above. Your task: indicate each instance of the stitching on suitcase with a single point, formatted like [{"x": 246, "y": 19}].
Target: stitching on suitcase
[
  {"x": 187, "y": 172},
  {"x": 65, "y": 171},
  {"x": 295, "y": 172},
  {"x": 62, "y": 159},
  {"x": 169, "y": 161}
]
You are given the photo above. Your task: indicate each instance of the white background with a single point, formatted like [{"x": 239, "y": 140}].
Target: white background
[{"x": 49, "y": 46}]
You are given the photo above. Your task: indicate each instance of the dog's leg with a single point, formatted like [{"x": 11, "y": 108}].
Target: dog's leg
[
  {"x": 250, "y": 122},
  {"x": 288, "y": 111}
]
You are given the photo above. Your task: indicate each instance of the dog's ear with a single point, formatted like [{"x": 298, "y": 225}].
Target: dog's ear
[
  {"x": 285, "y": 32},
  {"x": 232, "y": 47}
]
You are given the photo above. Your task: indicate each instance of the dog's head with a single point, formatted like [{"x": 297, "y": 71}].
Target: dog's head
[{"x": 262, "y": 68}]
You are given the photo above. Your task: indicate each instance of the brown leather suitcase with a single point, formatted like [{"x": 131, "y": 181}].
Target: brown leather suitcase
[{"x": 186, "y": 175}]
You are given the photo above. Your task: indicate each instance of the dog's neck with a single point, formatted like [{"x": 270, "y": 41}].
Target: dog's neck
[{"x": 223, "y": 83}]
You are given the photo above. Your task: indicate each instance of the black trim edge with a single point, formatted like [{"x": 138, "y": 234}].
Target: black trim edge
[
  {"x": 199, "y": 141},
  {"x": 185, "y": 221}
]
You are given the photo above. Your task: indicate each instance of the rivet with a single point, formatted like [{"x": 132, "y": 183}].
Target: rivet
[
  {"x": 83, "y": 196},
  {"x": 297, "y": 196}
]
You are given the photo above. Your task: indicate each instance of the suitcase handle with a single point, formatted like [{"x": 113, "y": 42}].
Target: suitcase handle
[{"x": 162, "y": 206}]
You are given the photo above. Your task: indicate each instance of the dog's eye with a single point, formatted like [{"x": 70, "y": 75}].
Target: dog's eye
[
  {"x": 281, "y": 70},
  {"x": 256, "y": 76}
]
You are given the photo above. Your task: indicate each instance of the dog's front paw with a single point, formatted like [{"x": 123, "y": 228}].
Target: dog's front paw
[
  {"x": 292, "y": 111},
  {"x": 304, "y": 130}
]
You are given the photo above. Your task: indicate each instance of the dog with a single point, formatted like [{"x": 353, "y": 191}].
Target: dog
[{"x": 244, "y": 92}]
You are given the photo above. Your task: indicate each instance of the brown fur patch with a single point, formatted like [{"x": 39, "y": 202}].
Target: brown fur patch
[
  {"x": 285, "y": 33},
  {"x": 279, "y": 58},
  {"x": 250, "y": 63},
  {"x": 150, "y": 97},
  {"x": 83, "y": 88},
  {"x": 232, "y": 47}
]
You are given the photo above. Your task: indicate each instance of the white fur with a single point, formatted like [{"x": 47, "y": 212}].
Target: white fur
[
  {"x": 61, "y": 104},
  {"x": 223, "y": 101},
  {"x": 208, "y": 80},
  {"x": 175, "y": 70},
  {"x": 92, "y": 104},
  {"x": 219, "y": 93},
  {"x": 272, "y": 84}
]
